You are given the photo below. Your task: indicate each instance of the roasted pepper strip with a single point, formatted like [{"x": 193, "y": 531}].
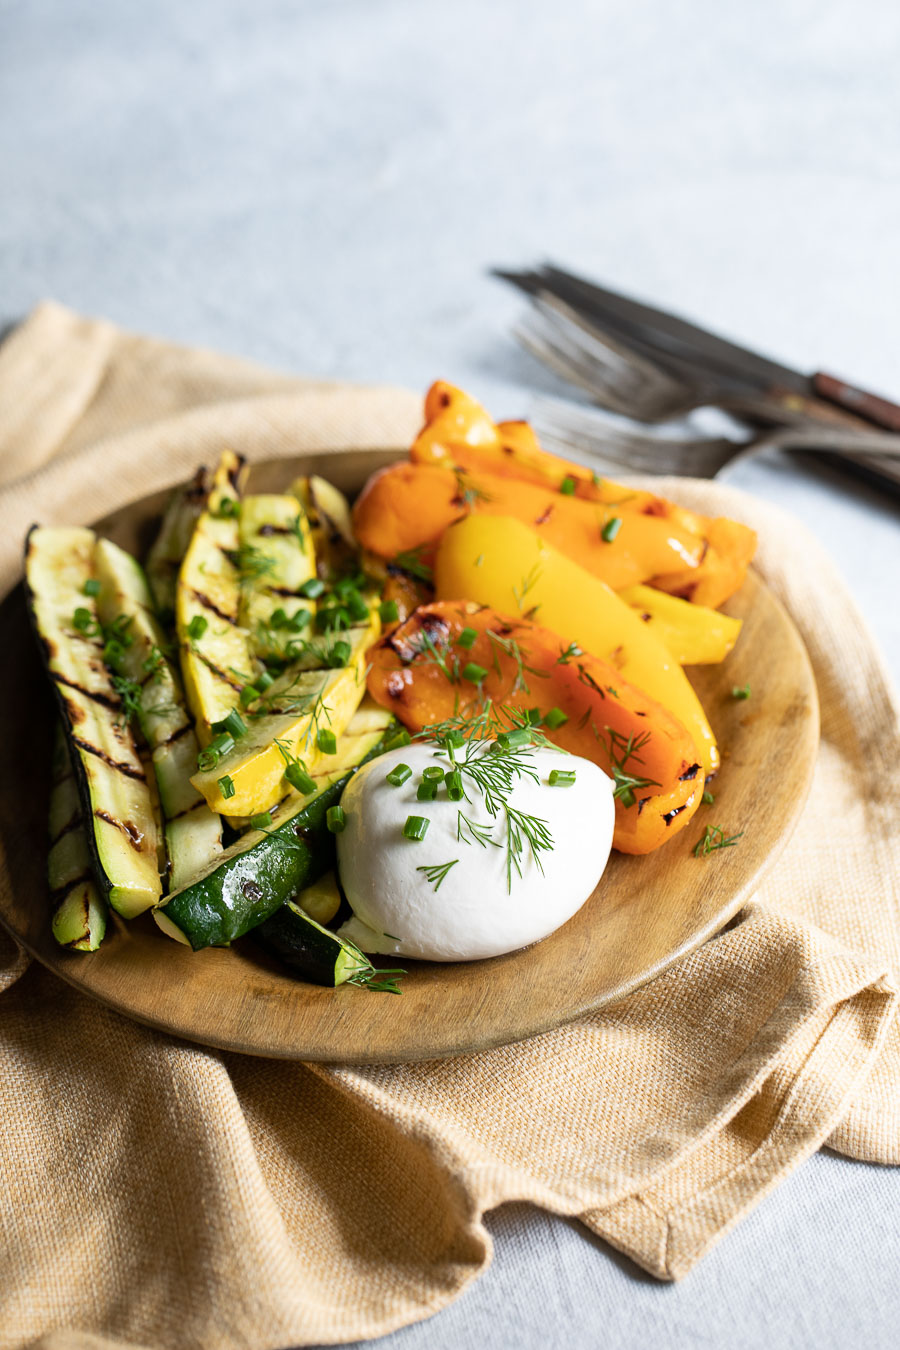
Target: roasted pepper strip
[
  {"x": 459, "y": 435},
  {"x": 425, "y": 675},
  {"x": 503, "y": 564},
  {"x": 407, "y": 505}
]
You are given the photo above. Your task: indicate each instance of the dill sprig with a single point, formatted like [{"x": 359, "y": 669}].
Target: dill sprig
[
  {"x": 714, "y": 837},
  {"x": 510, "y": 647},
  {"x": 527, "y": 584},
  {"x": 479, "y": 834},
  {"x": 620, "y": 752},
  {"x": 411, "y": 561},
  {"x": 436, "y": 874},
  {"x": 251, "y": 563}
]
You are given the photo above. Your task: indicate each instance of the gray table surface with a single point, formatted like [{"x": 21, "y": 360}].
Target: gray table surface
[{"x": 322, "y": 186}]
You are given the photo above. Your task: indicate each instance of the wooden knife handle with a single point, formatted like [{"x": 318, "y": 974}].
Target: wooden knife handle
[{"x": 870, "y": 407}]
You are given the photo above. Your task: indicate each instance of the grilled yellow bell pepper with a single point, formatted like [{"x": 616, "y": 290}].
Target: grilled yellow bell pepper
[
  {"x": 693, "y": 634},
  {"x": 500, "y": 562}
]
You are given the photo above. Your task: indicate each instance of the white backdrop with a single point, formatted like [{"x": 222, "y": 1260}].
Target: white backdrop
[{"x": 323, "y": 186}]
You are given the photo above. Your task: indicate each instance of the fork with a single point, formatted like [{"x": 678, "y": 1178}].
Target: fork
[
  {"x": 625, "y": 381},
  {"x": 567, "y": 426}
]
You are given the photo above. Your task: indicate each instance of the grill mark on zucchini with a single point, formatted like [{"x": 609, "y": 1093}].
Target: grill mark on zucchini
[
  {"x": 213, "y": 608},
  {"x": 217, "y": 670},
  {"x": 175, "y": 736},
  {"x": 127, "y": 769},
  {"x": 71, "y": 824},
  {"x": 59, "y": 893},
  {"x": 131, "y": 832},
  {"x": 114, "y": 704}
]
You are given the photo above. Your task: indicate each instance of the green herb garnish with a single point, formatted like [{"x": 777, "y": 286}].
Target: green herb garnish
[
  {"x": 714, "y": 838},
  {"x": 436, "y": 873}
]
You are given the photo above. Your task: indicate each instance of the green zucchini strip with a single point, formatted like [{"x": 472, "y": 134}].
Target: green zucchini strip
[
  {"x": 193, "y": 832},
  {"x": 79, "y": 912},
  {"x": 111, "y": 780},
  {"x": 264, "y": 868}
]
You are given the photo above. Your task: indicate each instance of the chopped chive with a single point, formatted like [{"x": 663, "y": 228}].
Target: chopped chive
[
  {"x": 228, "y": 508},
  {"x": 454, "y": 786},
  {"x": 278, "y": 618},
  {"x": 357, "y": 606},
  {"x": 82, "y": 619},
  {"x": 427, "y": 790},
  {"x": 197, "y": 627},
  {"x": 708, "y": 798},
  {"x": 611, "y": 529},
  {"x": 113, "y": 651},
  {"x": 332, "y": 617},
  {"x": 555, "y": 718},
  {"x": 298, "y": 620},
  {"x": 567, "y": 487},
  {"x": 335, "y": 819},
  {"x": 512, "y": 740},
  {"x": 433, "y": 773},
  {"x": 300, "y": 779},
  {"x": 313, "y": 588},
  {"x": 402, "y": 737},
  {"x": 226, "y": 787},
  {"x": 467, "y": 639},
  {"x": 741, "y": 691},
  {"x": 416, "y": 827},
  {"x": 262, "y": 821},
  {"x": 562, "y": 777},
  {"x": 249, "y": 694},
  {"x": 326, "y": 741},
  {"x": 264, "y": 680},
  {"x": 388, "y": 611},
  {"x": 233, "y": 724},
  {"x": 399, "y": 775},
  {"x": 218, "y": 746},
  {"x": 339, "y": 654},
  {"x": 474, "y": 672},
  {"x": 534, "y": 717},
  {"x": 91, "y": 587}
]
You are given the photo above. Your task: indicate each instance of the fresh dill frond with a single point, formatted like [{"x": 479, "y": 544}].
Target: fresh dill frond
[
  {"x": 620, "y": 752},
  {"x": 714, "y": 837},
  {"x": 526, "y": 585},
  {"x": 411, "y": 561},
  {"x": 437, "y": 872}
]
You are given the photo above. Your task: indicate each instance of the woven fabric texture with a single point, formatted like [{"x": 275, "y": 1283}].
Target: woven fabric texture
[{"x": 162, "y": 1195}]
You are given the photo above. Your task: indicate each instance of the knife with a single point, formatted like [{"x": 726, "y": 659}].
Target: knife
[{"x": 694, "y": 353}]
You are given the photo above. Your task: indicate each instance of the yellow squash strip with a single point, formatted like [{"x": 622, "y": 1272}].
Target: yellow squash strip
[
  {"x": 216, "y": 658},
  {"x": 295, "y": 710},
  {"x": 693, "y": 634},
  {"x": 275, "y": 558},
  {"x": 328, "y": 513},
  {"x": 500, "y": 562}
]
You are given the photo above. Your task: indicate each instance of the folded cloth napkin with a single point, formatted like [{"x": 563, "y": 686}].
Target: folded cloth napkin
[{"x": 165, "y": 1195}]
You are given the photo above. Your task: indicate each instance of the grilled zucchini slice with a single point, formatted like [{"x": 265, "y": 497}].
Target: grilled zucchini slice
[
  {"x": 193, "y": 833},
  {"x": 79, "y": 912},
  {"x": 111, "y": 781},
  {"x": 275, "y": 558},
  {"x": 328, "y": 513},
  {"x": 169, "y": 547},
  {"x": 216, "y": 658},
  {"x": 264, "y": 868},
  {"x": 300, "y": 708}
]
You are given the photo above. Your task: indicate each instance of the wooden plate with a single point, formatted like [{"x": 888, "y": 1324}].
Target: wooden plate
[{"x": 646, "y": 913}]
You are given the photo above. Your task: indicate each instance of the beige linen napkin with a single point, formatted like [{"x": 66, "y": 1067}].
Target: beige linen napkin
[{"x": 169, "y": 1196}]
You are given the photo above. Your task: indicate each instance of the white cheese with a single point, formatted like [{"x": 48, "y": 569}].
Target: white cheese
[{"x": 481, "y": 907}]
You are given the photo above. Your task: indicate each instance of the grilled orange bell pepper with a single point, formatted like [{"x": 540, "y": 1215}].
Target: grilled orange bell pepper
[
  {"x": 418, "y": 673},
  {"x": 459, "y": 435},
  {"x": 406, "y": 506}
]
